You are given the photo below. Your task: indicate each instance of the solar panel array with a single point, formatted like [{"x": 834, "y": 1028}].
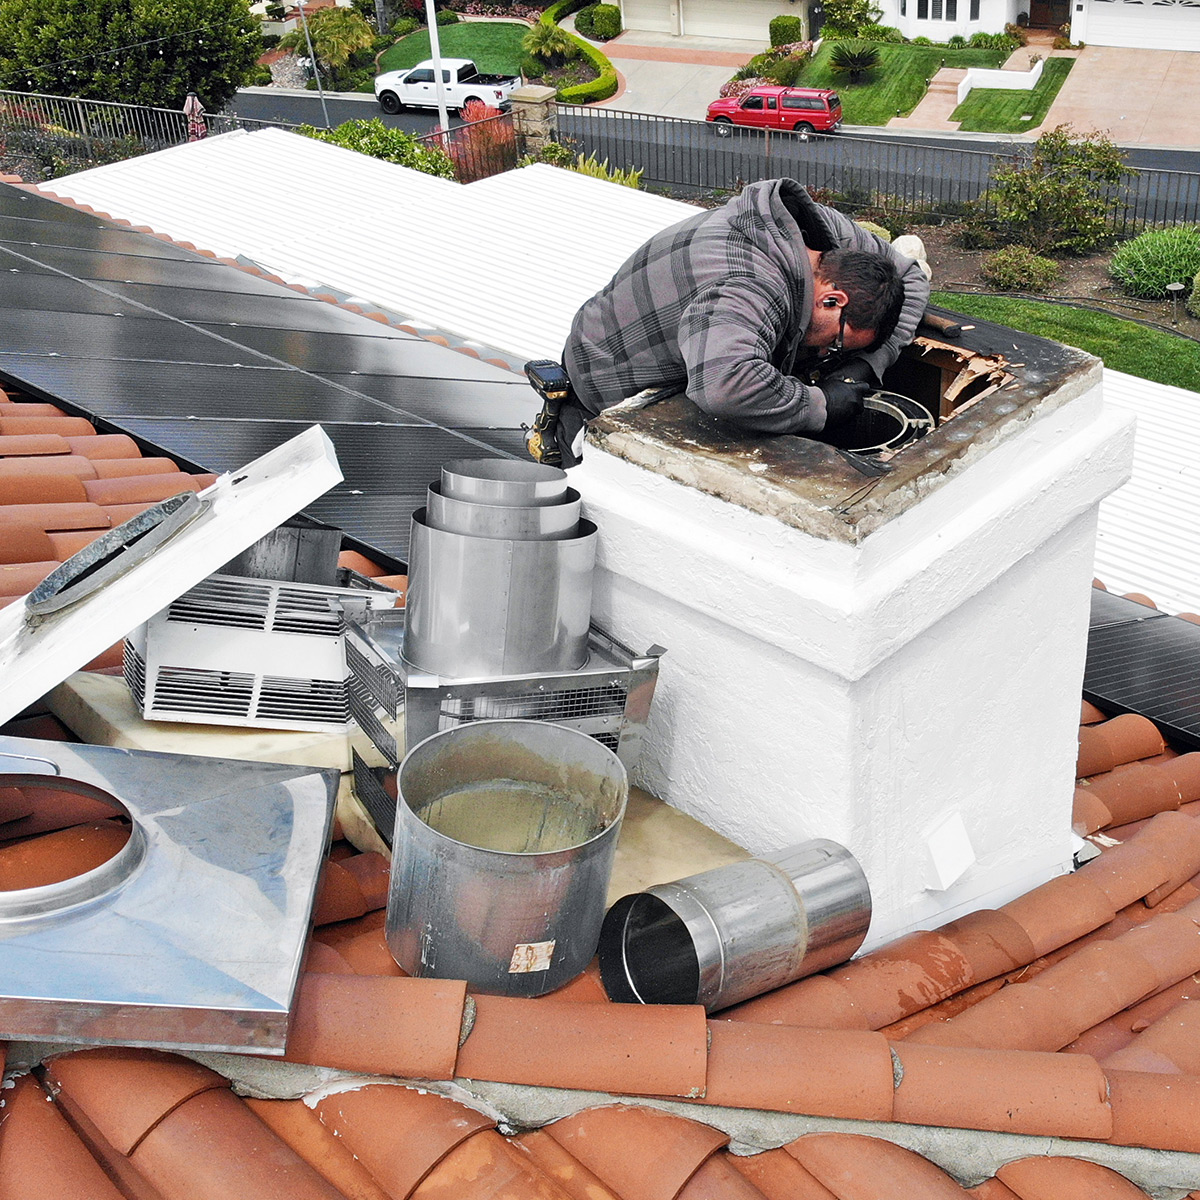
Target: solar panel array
[
  {"x": 213, "y": 365},
  {"x": 1146, "y": 662}
]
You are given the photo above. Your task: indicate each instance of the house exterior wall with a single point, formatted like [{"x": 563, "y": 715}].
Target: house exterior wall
[
  {"x": 1159, "y": 25},
  {"x": 922, "y": 683},
  {"x": 943, "y": 19}
]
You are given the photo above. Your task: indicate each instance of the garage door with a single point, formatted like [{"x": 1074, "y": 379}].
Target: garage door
[
  {"x": 743, "y": 20},
  {"x": 1165, "y": 25},
  {"x": 653, "y": 16}
]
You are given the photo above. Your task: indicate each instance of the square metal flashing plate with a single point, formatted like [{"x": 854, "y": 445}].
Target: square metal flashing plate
[{"x": 192, "y": 935}]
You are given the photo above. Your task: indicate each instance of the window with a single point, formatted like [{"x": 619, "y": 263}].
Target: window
[
  {"x": 936, "y": 14},
  {"x": 805, "y": 102},
  {"x": 420, "y": 77},
  {"x": 771, "y": 103},
  {"x": 755, "y": 102},
  {"x": 951, "y": 10},
  {"x": 974, "y": 10},
  {"x": 904, "y": 8},
  {"x": 922, "y": 10}
]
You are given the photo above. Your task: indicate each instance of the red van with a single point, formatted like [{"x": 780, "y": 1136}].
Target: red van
[{"x": 803, "y": 110}]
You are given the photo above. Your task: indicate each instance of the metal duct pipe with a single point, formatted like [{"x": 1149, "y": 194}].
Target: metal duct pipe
[
  {"x": 735, "y": 932},
  {"x": 526, "y": 522},
  {"x": 503, "y": 847},
  {"x": 504, "y": 481}
]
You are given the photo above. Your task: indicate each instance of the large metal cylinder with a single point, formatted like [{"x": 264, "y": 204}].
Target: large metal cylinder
[
  {"x": 504, "y": 841},
  {"x": 529, "y": 522},
  {"x": 505, "y": 481},
  {"x": 494, "y": 606},
  {"x": 735, "y": 932}
]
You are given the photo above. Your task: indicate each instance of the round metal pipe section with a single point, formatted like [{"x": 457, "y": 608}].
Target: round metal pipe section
[
  {"x": 545, "y": 522},
  {"x": 886, "y": 421},
  {"x": 497, "y": 606},
  {"x": 505, "y": 481},
  {"x": 503, "y": 847},
  {"x": 735, "y": 932}
]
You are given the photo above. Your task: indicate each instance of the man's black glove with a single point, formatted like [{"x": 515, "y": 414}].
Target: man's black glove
[
  {"x": 857, "y": 370},
  {"x": 843, "y": 399}
]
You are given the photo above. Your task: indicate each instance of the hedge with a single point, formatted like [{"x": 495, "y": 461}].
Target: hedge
[{"x": 597, "y": 89}]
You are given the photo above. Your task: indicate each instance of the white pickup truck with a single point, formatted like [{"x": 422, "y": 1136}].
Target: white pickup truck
[{"x": 417, "y": 87}]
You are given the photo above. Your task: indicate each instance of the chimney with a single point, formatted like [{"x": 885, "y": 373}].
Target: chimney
[{"x": 890, "y": 659}]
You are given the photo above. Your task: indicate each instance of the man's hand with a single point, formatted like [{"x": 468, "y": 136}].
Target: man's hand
[{"x": 843, "y": 399}]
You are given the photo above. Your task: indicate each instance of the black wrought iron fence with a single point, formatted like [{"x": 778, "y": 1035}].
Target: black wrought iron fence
[
  {"x": 480, "y": 148},
  {"x": 47, "y": 136},
  {"x": 908, "y": 180}
]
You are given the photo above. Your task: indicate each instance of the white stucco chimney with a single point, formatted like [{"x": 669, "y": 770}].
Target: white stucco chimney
[{"x": 892, "y": 662}]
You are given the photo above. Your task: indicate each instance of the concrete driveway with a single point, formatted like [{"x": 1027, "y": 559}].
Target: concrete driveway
[{"x": 1137, "y": 97}]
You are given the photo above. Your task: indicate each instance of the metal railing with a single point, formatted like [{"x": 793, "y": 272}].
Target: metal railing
[
  {"x": 478, "y": 149},
  {"x": 47, "y": 136},
  {"x": 907, "y": 180}
]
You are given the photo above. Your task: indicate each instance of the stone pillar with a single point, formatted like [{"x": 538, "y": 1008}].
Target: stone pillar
[{"x": 535, "y": 117}]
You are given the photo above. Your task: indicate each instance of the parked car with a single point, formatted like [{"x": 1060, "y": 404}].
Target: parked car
[
  {"x": 416, "y": 87},
  {"x": 802, "y": 110}
]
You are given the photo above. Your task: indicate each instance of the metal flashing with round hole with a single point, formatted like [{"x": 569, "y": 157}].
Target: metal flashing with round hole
[
  {"x": 735, "y": 932},
  {"x": 887, "y": 421},
  {"x": 191, "y": 936}
]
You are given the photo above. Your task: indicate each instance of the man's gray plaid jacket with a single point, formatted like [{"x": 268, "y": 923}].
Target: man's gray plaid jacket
[{"x": 718, "y": 306}]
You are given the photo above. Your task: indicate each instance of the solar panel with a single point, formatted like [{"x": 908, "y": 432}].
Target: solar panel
[
  {"x": 1146, "y": 662},
  {"x": 215, "y": 366}
]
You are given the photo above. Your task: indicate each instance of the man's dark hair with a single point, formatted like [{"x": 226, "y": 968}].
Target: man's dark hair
[{"x": 874, "y": 291}]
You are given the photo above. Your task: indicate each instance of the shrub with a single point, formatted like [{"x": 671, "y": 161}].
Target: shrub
[
  {"x": 481, "y": 147},
  {"x": 532, "y": 68},
  {"x": 607, "y": 22},
  {"x": 879, "y": 33},
  {"x": 583, "y": 20},
  {"x": 270, "y": 41},
  {"x": 1145, "y": 265},
  {"x": 447, "y": 16},
  {"x": 922, "y": 41},
  {"x": 631, "y": 177},
  {"x": 378, "y": 140},
  {"x": 1193, "y": 301},
  {"x": 1018, "y": 33},
  {"x": 1019, "y": 269},
  {"x": 403, "y": 26},
  {"x": 1053, "y": 197},
  {"x": 549, "y": 43},
  {"x": 553, "y": 153},
  {"x": 597, "y": 89},
  {"x": 786, "y": 28},
  {"x": 844, "y": 18},
  {"x": 260, "y": 76},
  {"x": 957, "y": 41},
  {"x": 787, "y": 70},
  {"x": 994, "y": 41},
  {"x": 855, "y": 59}
]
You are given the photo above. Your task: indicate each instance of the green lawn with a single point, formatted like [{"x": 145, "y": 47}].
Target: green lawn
[
  {"x": 495, "y": 46},
  {"x": 996, "y": 110},
  {"x": 1123, "y": 345},
  {"x": 897, "y": 84}
]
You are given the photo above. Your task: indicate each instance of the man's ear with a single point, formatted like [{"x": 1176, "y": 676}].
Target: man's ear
[{"x": 831, "y": 297}]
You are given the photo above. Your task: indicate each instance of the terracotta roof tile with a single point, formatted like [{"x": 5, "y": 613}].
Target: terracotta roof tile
[
  {"x": 41, "y": 489},
  {"x": 818, "y": 1001},
  {"x": 779, "y": 1176},
  {"x": 992, "y": 1189},
  {"x": 488, "y": 1165},
  {"x": 55, "y": 517},
  {"x": 567, "y": 1171},
  {"x": 380, "y": 1026},
  {"x": 118, "y": 468},
  {"x": 214, "y": 1147},
  {"x": 126, "y": 1093},
  {"x": 587, "y": 988},
  {"x": 1121, "y": 740},
  {"x": 29, "y": 408},
  {"x": 718, "y": 1179},
  {"x": 991, "y": 941},
  {"x": 1089, "y": 714},
  {"x": 863, "y": 1168},
  {"x": 19, "y": 578},
  {"x": 49, "y": 464},
  {"x": 137, "y": 489},
  {"x": 64, "y": 426},
  {"x": 372, "y": 872},
  {"x": 641, "y": 1153},
  {"x": 368, "y": 954},
  {"x": 1138, "y": 792},
  {"x": 397, "y": 1133},
  {"x": 1140, "y": 598},
  {"x": 1088, "y": 813},
  {"x": 1006, "y": 1091},
  {"x": 352, "y": 560},
  {"x": 55, "y": 809},
  {"x": 103, "y": 445},
  {"x": 57, "y": 856},
  {"x": 789, "y": 1069},
  {"x": 40, "y": 1155},
  {"x": 118, "y": 514},
  {"x": 1060, "y": 911},
  {"x": 339, "y": 897},
  {"x": 1171, "y": 1045},
  {"x": 641, "y": 1050},
  {"x": 1045, "y": 1178},
  {"x": 1119, "y": 1030},
  {"x": 1160, "y": 1111},
  {"x": 325, "y": 960},
  {"x": 300, "y": 1127},
  {"x": 72, "y": 541},
  {"x": 23, "y": 444},
  {"x": 14, "y": 804}
]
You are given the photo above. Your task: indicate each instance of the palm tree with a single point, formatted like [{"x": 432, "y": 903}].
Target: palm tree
[
  {"x": 855, "y": 59},
  {"x": 337, "y": 33},
  {"x": 549, "y": 43}
]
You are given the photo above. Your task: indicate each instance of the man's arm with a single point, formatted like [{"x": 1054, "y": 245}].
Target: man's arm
[{"x": 728, "y": 336}]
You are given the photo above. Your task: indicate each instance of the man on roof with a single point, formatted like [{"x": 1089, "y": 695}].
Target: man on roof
[{"x": 774, "y": 312}]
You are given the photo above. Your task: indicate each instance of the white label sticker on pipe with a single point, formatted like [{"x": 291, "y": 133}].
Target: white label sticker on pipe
[{"x": 531, "y": 956}]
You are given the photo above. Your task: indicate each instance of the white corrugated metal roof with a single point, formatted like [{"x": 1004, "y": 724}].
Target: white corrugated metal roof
[
  {"x": 506, "y": 261},
  {"x": 1149, "y": 535}
]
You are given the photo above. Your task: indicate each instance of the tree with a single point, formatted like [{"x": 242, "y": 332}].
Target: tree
[
  {"x": 1056, "y": 197},
  {"x": 135, "y": 51},
  {"x": 549, "y": 43},
  {"x": 855, "y": 59},
  {"x": 336, "y": 34},
  {"x": 846, "y": 17}
]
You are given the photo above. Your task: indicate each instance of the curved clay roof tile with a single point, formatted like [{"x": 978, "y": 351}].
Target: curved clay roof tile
[
  {"x": 486, "y": 1165},
  {"x": 779, "y": 1176},
  {"x": 717, "y": 1180},
  {"x": 58, "y": 856},
  {"x": 854, "y": 1168},
  {"x": 568, "y": 1172},
  {"x": 1043, "y": 1178}
]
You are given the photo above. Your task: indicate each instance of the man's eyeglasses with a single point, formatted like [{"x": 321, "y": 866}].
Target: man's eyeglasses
[{"x": 839, "y": 343}]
